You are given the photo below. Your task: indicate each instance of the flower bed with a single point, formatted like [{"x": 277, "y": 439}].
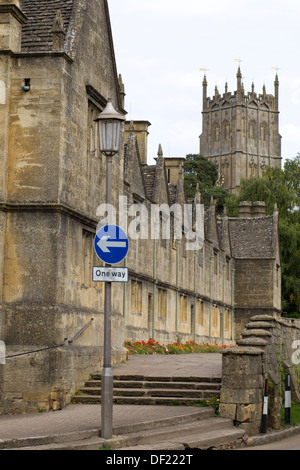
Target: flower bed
[{"x": 153, "y": 347}]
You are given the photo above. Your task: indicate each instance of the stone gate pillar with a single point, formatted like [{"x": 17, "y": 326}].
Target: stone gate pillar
[{"x": 242, "y": 388}]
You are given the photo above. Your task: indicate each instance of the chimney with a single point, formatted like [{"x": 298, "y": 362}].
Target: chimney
[
  {"x": 245, "y": 209},
  {"x": 174, "y": 168},
  {"x": 258, "y": 209},
  {"x": 11, "y": 21},
  {"x": 140, "y": 129}
]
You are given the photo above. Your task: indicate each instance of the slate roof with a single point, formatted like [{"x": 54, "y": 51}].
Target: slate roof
[
  {"x": 252, "y": 237},
  {"x": 149, "y": 172},
  {"x": 36, "y": 33}
]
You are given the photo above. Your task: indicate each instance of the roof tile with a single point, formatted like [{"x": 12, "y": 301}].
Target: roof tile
[{"x": 36, "y": 33}]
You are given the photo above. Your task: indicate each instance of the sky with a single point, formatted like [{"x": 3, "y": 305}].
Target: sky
[{"x": 162, "y": 47}]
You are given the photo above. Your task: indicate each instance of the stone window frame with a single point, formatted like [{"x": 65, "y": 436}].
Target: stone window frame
[{"x": 136, "y": 297}]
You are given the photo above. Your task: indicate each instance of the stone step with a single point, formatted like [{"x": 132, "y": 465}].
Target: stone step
[
  {"x": 137, "y": 389},
  {"x": 153, "y": 392},
  {"x": 212, "y": 432},
  {"x": 146, "y": 384},
  {"x": 156, "y": 378},
  {"x": 200, "y": 434},
  {"x": 125, "y": 400},
  {"x": 93, "y": 443},
  {"x": 214, "y": 439},
  {"x": 178, "y": 431}
]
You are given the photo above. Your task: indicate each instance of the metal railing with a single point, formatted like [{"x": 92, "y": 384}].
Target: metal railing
[{"x": 55, "y": 346}]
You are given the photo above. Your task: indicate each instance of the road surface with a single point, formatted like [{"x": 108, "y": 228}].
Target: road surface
[{"x": 291, "y": 443}]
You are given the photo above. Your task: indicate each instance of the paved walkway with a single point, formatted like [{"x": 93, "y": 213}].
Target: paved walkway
[
  {"x": 75, "y": 418},
  {"x": 180, "y": 365}
]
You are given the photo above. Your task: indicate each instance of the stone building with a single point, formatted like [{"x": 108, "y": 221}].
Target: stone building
[
  {"x": 240, "y": 132},
  {"x": 57, "y": 71}
]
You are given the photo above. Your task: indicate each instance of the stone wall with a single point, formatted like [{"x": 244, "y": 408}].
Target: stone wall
[{"x": 265, "y": 351}]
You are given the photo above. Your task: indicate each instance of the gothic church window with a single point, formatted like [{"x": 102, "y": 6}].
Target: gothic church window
[
  {"x": 263, "y": 167},
  {"x": 226, "y": 131},
  {"x": 252, "y": 130},
  {"x": 252, "y": 166},
  {"x": 263, "y": 131},
  {"x": 243, "y": 126},
  {"x": 216, "y": 132},
  {"x": 226, "y": 171}
]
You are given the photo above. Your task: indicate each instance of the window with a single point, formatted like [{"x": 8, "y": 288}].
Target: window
[
  {"x": 216, "y": 132},
  {"x": 263, "y": 131},
  {"x": 162, "y": 303},
  {"x": 136, "y": 297},
  {"x": 226, "y": 131},
  {"x": 252, "y": 166},
  {"x": 252, "y": 130},
  {"x": 215, "y": 316},
  {"x": 183, "y": 308},
  {"x": 200, "y": 319},
  {"x": 92, "y": 129}
]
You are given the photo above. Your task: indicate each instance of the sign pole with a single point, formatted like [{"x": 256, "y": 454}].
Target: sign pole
[
  {"x": 265, "y": 408},
  {"x": 107, "y": 374},
  {"x": 287, "y": 401},
  {"x": 111, "y": 246}
]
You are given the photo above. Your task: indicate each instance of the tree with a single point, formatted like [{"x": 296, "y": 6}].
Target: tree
[
  {"x": 280, "y": 186},
  {"x": 200, "y": 170}
]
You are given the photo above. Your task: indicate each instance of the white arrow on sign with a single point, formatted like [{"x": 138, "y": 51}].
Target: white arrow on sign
[{"x": 104, "y": 244}]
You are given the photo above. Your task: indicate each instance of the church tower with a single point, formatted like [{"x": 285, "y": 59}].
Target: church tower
[{"x": 240, "y": 132}]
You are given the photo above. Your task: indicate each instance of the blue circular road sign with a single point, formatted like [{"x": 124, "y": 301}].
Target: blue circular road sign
[{"x": 111, "y": 244}]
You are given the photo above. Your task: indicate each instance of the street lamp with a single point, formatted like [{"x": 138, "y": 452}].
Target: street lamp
[{"x": 109, "y": 129}]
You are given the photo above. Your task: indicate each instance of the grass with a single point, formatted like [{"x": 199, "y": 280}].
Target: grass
[
  {"x": 153, "y": 347},
  {"x": 295, "y": 414}
]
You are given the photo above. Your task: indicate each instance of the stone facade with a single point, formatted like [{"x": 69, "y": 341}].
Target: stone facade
[
  {"x": 240, "y": 132},
  {"x": 58, "y": 70},
  {"x": 268, "y": 350}
]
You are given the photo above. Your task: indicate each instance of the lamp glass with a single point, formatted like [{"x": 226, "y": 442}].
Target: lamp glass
[
  {"x": 109, "y": 127},
  {"x": 109, "y": 136}
]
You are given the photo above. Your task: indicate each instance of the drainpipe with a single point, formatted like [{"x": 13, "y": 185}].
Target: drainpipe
[
  {"x": 154, "y": 287},
  {"x": 195, "y": 292},
  {"x": 223, "y": 308},
  {"x": 177, "y": 285},
  {"x": 125, "y": 209},
  {"x": 211, "y": 260},
  {"x": 232, "y": 302}
]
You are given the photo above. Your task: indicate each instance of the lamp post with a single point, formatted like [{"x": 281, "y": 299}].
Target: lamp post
[{"x": 109, "y": 129}]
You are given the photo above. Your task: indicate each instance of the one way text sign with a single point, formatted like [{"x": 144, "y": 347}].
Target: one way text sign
[{"x": 108, "y": 274}]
